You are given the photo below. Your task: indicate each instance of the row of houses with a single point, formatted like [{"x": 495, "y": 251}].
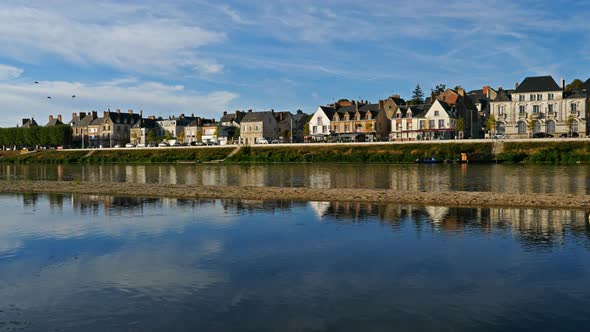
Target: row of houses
[
  {"x": 117, "y": 128},
  {"x": 537, "y": 105}
]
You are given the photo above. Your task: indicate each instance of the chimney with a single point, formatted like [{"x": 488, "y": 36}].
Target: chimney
[
  {"x": 515, "y": 85},
  {"x": 94, "y": 114},
  {"x": 500, "y": 88},
  {"x": 59, "y": 118},
  {"x": 118, "y": 111},
  {"x": 106, "y": 114},
  {"x": 182, "y": 115},
  {"x": 250, "y": 111},
  {"x": 140, "y": 113},
  {"x": 192, "y": 115},
  {"x": 130, "y": 112},
  {"x": 200, "y": 122},
  {"x": 50, "y": 118},
  {"x": 224, "y": 113},
  {"x": 82, "y": 115},
  {"x": 396, "y": 96},
  {"x": 73, "y": 116},
  {"x": 563, "y": 83},
  {"x": 486, "y": 91},
  {"x": 357, "y": 106},
  {"x": 432, "y": 96},
  {"x": 381, "y": 105},
  {"x": 461, "y": 92}
]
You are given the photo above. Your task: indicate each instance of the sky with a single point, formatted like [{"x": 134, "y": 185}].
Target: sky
[{"x": 209, "y": 56}]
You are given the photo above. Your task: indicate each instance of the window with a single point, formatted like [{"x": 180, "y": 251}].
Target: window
[
  {"x": 346, "y": 128},
  {"x": 409, "y": 114},
  {"x": 398, "y": 115},
  {"x": 574, "y": 126},
  {"x": 521, "y": 109},
  {"x": 535, "y": 108},
  {"x": 551, "y": 127},
  {"x": 533, "y": 97},
  {"x": 409, "y": 125},
  {"x": 522, "y": 127},
  {"x": 435, "y": 113},
  {"x": 550, "y": 108},
  {"x": 256, "y": 128},
  {"x": 368, "y": 116},
  {"x": 249, "y": 128},
  {"x": 500, "y": 127},
  {"x": 319, "y": 121},
  {"x": 501, "y": 110},
  {"x": 550, "y": 96},
  {"x": 398, "y": 126},
  {"x": 431, "y": 124},
  {"x": 539, "y": 97},
  {"x": 441, "y": 123},
  {"x": 358, "y": 117},
  {"x": 520, "y": 97},
  {"x": 315, "y": 129},
  {"x": 421, "y": 124},
  {"x": 573, "y": 107}
]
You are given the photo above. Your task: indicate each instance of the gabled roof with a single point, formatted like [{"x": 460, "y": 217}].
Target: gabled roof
[
  {"x": 231, "y": 117},
  {"x": 373, "y": 108},
  {"x": 85, "y": 121},
  {"x": 502, "y": 96},
  {"x": 28, "y": 123},
  {"x": 146, "y": 123},
  {"x": 54, "y": 122},
  {"x": 256, "y": 116},
  {"x": 538, "y": 84}
]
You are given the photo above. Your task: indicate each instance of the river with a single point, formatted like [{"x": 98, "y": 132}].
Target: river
[
  {"x": 508, "y": 178},
  {"x": 91, "y": 263}
]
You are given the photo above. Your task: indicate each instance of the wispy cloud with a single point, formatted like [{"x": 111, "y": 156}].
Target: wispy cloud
[
  {"x": 27, "y": 99},
  {"x": 138, "y": 41},
  {"x": 9, "y": 72}
]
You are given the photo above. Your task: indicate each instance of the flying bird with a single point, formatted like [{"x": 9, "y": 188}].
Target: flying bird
[
  {"x": 36, "y": 82},
  {"x": 73, "y": 96},
  {"x": 48, "y": 97}
]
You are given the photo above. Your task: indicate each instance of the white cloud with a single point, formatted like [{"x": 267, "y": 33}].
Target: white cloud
[
  {"x": 24, "y": 100},
  {"x": 9, "y": 72},
  {"x": 131, "y": 41}
]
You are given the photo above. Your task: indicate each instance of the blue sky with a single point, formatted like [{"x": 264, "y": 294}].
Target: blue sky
[{"x": 205, "y": 56}]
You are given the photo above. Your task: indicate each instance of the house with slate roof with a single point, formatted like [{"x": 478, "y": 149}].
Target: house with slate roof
[
  {"x": 424, "y": 122},
  {"x": 319, "y": 124},
  {"x": 256, "y": 126},
  {"x": 141, "y": 128},
  {"x": 28, "y": 123},
  {"x": 54, "y": 121},
  {"x": 540, "y": 105},
  {"x": 81, "y": 136},
  {"x": 388, "y": 108}
]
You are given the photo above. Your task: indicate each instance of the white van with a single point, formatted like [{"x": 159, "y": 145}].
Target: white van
[{"x": 261, "y": 141}]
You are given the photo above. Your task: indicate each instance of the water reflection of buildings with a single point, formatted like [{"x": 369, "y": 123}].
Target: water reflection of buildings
[{"x": 536, "y": 227}]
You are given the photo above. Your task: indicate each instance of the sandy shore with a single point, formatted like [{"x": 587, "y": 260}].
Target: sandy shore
[{"x": 300, "y": 194}]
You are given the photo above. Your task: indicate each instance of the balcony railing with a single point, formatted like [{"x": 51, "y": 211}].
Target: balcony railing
[{"x": 522, "y": 115}]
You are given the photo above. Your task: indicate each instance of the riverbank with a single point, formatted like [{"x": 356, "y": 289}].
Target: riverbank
[
  {"x": 471, "y": 199},
  {"x": 552, "y": 151}
]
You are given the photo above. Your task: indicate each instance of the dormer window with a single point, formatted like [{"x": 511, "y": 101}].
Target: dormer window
[
  {"x": 368, "y": 116},
  {"x": 358, "y": 117},
  {"x": 409, "y": 114},
  {"x": 398, "y": 115}
]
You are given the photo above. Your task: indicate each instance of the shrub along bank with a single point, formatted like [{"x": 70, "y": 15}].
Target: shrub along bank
[
  {"x": 558, "y": 152},
  {"x": 158, "y": 155}
]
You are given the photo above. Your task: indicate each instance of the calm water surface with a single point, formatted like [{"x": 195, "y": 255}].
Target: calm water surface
[
  {"x": 87, "y": 263},
  {"x": 493, "y": 178}
]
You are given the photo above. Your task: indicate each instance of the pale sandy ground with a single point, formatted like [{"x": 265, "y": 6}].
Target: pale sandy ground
[{"x": 300, "y": 194}]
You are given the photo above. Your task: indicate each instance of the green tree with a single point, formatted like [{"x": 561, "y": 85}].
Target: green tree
[
  {"x": 491, "y": 124},
  {"x": 417, "y": 96},
  {"x": 168, "y": 135},
  {"x": 531, "y": 124},
  {"x": 569, "y": 123},
  {"x": 236, "y": 134},
  {"x": 199, "y": 135},
  {"x": 438, "y": 89},
  {"x": 576, "y": 84},
  {"x": 306, "y": 129},
  {"x": 181, "y": 136},
  {"x": 151, "y": 136}
]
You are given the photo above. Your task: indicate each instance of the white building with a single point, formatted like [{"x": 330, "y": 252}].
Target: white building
[
  {"x": 319, "y": 124},
  {"x": 424, "y": 122}
]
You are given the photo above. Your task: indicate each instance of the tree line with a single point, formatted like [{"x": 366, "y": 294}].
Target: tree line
[{"x": 36, "y": 136}]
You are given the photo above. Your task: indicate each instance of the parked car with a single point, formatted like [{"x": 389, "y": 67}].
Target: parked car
[
  {"x": 141, "y": 145},
  {"x": 542, "y": 135},
  {"x": 163, "y": 145},
  {"x": 275, "y": 141},
  {"x": 570, "y": 135},
  {"x": 176, "y": 144},
  {"x": 262, "y": 141},
  {"x": 117, "y": 146},
  {"x": 129, "y": 145},
  {"x": 501, "y": 136}
]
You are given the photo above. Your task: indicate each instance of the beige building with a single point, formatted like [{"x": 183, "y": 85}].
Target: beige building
[
  {"x": 257, "y": 127},
  {"x": 539, "y": 105}
]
